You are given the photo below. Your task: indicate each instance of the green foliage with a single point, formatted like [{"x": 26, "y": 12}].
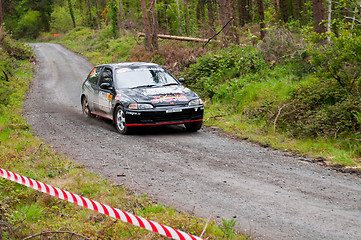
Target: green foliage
[
  {"x": 340, "y": 60},
  {"x": 61, "y": 20},
  {"x": 26, "y": 18},
  {"x": 113, "y": 7},
  {"x": 214, "y": 69},
  {"x": 282, "y": 95},
  {"x": 71, "y": 11},
  {"x": 28, "y": 25},
  {"x": 99, "y": 46},
  {"x": 280, "y": 45},
  {"x": 227, "y": 228},
  {"x": 10, "y": 52},
  {"x": 321, "y": 109}
]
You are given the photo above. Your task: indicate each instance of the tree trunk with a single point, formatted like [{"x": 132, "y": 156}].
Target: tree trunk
[
  {"x": 284, "y": 10},
  {"x": 242, "y": 12},
  {"x": 297, "y": 9},
  {"x": 1, "y": 14},
  {"x": 179, "y": 38},
  {"x": 319, "y": 15},
  {"x": 261, "y": 18},
  {"x": 179, "y": 18},
  {"x": 120, "y": 15},
  {"x": 90, "y": 17},
  {"x": 227, "y": 12},
  {"x": 153, "y": 24},
  {"x": 185, "y": 3},
  {"x": 200, "y": 10},
  {"x": 278, "y": 10},
  {"x": 329, "y": 18},
  {"x": 148, "y": 41},
  {"x": 70, "y": 5},
  {"x": 120, "y": 10},
  {"x": 210, "y": 13}
]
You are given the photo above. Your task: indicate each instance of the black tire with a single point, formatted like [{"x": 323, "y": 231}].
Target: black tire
[
  {"x": 119, "y": 120},
  {"x": 85, "y": 108},
  {"x": 193, "y": 126}
]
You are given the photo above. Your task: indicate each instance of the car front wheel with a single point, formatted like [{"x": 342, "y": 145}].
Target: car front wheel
[
  {"x": 85, "y": 108},
  {"x": 119, "y": 120}
]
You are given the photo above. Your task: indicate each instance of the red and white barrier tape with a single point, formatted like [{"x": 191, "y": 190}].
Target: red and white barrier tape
[{"x": 96, "y": 206}]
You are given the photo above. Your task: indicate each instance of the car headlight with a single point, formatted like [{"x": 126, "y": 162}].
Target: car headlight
[
  {"x": 195, "y": 102},
  {"x": 140, "y": 106}
]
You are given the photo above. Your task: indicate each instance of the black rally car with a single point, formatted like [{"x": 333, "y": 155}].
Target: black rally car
[{"x": 140, "y": 94}]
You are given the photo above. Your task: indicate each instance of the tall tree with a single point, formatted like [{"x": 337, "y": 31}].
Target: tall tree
[
  {"x": 120, "y": 10},
  {"x": 227, "y": 14},
  {"x": 1, "y": 14},
  {"x": 70, "y": 5},
  {"x": 185, "y": 3},
  {"x": 113, "y": 7},
  {"x": 148, "y": 40},
  {"x": 297, "y": 9},
  {"x": 284, "y": 10},
  {"x": 153, "y": 24},
  {"x": 243, "y": 14},
  {"x": 200, "y": 10},
  {"x": 319, "y": 16},
  {"x": 261, "y": 18},
  {"x": 210, "y": 12}
]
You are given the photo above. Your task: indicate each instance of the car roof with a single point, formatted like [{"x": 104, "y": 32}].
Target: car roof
[{"x": 131, "y": 65}]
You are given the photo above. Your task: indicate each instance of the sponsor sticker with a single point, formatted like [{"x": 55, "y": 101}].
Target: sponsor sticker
[
  {"x": 162, "y": 91},
  {"x": 92, "y": 72},
  {"x": 117, "y": 97},
  {"x": 169, "y": 98}
]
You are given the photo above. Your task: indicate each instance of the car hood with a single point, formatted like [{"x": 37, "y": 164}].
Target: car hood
[{"x": 161, "y": 96}]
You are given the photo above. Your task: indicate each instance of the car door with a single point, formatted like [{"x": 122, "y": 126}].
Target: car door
[
  {"x": 105, "y": 93},
  {"x": 90, "y": 87}
]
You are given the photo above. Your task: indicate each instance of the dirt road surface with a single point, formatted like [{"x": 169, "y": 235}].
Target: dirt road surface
[{"x": 271, "y": 194}]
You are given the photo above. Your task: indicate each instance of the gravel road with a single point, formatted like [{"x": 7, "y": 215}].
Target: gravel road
[{"x": 271, "y": 194}]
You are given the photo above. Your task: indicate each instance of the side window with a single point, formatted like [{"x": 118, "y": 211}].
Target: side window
[
  {"x": 94, "y": 75},
  {"x": 106, "y": 76}
]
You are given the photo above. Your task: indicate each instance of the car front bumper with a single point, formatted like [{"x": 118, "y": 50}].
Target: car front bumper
[{"x": 164, "y": 115}]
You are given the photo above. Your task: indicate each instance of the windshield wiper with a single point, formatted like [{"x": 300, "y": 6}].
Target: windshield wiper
[
  {"x": 169, "y": 84},
  {"x": 150, "y": 85}
]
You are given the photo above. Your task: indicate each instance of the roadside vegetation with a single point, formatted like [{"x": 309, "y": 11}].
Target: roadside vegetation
[
  {"x": 26, "y": 213},
  {"x": 305, "y": 98}
]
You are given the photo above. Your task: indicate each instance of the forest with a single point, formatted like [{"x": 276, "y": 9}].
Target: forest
[
  {"x": 282, "y": 73},
  {"x": 204, "y": 18}
]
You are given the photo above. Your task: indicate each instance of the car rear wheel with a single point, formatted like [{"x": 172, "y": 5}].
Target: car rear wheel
[
  {"x": 85, "y": 108},
  {"x": 119, "y": 120},
  {"x": 193, "y": 126}
]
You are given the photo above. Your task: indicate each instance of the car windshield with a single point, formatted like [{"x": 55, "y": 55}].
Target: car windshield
[{"x": 143, "y": 77}]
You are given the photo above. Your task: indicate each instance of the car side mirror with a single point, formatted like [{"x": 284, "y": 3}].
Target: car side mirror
[
  {"x": 106, "y": 85},
  {"x": 182, "y": 80}
]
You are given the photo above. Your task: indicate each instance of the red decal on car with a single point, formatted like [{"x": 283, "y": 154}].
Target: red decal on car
[{"x": 169, "y": 98}]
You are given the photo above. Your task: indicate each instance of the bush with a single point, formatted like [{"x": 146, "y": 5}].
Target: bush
[
  {"x": 280, "y": 44},
  {"x": 10, "y": 52},
  {"x": 214, "y": 69},
  {"x": 61, "y": 20},
  {"x": 321, "y": 109},
  {"x": 28, "y": 25},
  {"x": 340, "y": 60}
]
